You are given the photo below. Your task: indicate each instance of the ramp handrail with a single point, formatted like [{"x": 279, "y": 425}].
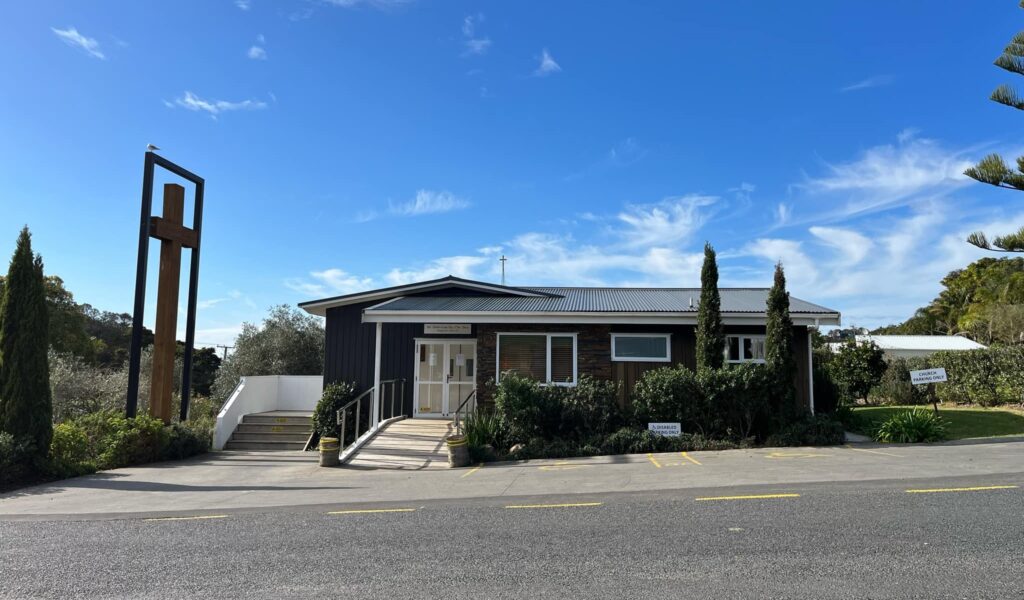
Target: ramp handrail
[
  {"x": 458, "y": 411},
  {"x": 342, "y": 415}
]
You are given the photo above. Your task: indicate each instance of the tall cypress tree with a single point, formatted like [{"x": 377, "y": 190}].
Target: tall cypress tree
[
  {"x": 710, "y": 334},
  {"x": 25, "y": 404},
  {"x": 778, "y": 340}
]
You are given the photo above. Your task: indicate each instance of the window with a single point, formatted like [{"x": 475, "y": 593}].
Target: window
[
  {"x": 543, "y": 357},
  {"x": 641, "y": 347},
  {"x": 744, "y": 348}
]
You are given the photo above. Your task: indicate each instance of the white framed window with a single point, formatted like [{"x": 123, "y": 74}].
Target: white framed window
[
  {"x": 641, "y": 347},
  {"x": 549, "y": 358},
  {"x": 744, "y": 348}
]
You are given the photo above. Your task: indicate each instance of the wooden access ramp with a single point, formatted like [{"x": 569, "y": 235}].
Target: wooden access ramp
[{"x": 409, "y": 444}]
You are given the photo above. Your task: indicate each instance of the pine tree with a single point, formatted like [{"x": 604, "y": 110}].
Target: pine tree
[
  {"x": 778, "y": 340},
  {"x": 25, "y": 403},
  {"x": 992, "y": 169},
  {"x": 710, "y": 334}
]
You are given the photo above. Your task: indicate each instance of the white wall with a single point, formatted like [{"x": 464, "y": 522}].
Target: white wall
[{"x": 266, "y": 393}]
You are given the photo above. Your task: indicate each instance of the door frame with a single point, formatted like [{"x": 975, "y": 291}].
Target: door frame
[{"x": 445, "y": 399}]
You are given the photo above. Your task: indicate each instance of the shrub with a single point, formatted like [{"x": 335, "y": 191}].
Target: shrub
[
  {"x": 186, "y": 439},
  {"x": 811, "y": 430},
  {"x": 912, "y": 426},
  {"x": 132, "y": 441},
  {"x": 730, "y": 403},
  {"x": 69, "y": 451},
  {"x": 325, "y": 416},
  {"x": 527, "y": 409},
  {"x": 17, "y": 459},
  {"x": 590, "y": 407},
  {"x": 856, "y": 368},
  {"x": 80, "y": 388},
  {"x": 484, "y": 428},
  {"x": 895, "y": 388}
]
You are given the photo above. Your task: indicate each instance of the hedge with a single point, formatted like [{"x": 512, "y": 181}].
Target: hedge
[{"x": 988, "y": 377}]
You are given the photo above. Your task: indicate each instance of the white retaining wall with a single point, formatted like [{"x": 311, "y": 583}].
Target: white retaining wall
[{"x": 263, "y": 394}]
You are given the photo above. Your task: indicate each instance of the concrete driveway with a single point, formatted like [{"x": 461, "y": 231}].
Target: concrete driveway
[{"x": 241, "y": 481}]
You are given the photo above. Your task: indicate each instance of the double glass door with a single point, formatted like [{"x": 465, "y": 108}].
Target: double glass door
[{"x": 445, "y": 376}]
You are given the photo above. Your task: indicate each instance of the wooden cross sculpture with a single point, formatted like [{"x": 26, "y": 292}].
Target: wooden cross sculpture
[{"x": 173, "y": 237}]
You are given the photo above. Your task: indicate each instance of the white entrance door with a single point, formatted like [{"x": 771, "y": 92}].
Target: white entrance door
[{"x": 445, "y": 375}]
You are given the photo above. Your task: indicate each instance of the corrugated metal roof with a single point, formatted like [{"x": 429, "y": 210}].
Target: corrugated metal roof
[
  {"x": 921, "y": 342},
  {"x": 578, "y": 299}
]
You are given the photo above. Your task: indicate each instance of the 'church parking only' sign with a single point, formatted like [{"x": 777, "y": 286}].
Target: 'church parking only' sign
[{"x": 928, "y": 376}]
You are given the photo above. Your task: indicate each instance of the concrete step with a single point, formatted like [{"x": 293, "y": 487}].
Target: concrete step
[
  {"x": 264, "y": 445},
  {"x": 269, "y": 428},
  {"x": 276, "y": 420},
  {"x": 269, "y": 437}
]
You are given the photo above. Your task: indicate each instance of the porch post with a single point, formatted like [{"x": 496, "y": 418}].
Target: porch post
[
  {"x": 375, "y": 414},
  {"x": 810, "y": 370}
]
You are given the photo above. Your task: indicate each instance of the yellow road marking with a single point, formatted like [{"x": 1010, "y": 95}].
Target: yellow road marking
[
  {"x": 794, "y": 455},
  {"x": 371, "y": 510},
  {"x": 753, "y": 497},
  {"x": 653, "y": 460},
  {"x": 561, "y": 466},
  {"x": 473, "y": 470},
  {"x": 687, "y": 456},
  {"x": 963, "y": 489},
  {"x": 871, "y": 451},
  {"x": 195, "y": 518},
  {"x": 569, "y": 505}
]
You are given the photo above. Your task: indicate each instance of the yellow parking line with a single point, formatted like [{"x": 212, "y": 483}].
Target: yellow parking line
[
  {"x": 653, "y": 460},
  {"x": 569, "y": 505},
  {"x": 473, "y": 470},
  {"x": 371, "y": 510},
  {"x": 195, "y": 518},
  {"x": 687, "y": 456},
  {"x": 871, "y": 451},
  {"x": 963, "y": 489},
  {"x": 753, "y": 497}
]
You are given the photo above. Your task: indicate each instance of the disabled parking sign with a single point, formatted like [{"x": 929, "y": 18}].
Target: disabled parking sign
[{"x": 665, "y": 429}]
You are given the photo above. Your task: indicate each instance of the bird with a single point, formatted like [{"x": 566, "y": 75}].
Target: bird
[{"x": 151, "y": 147}]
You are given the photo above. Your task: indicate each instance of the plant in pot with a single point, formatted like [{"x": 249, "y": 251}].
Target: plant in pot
[{"x": 325, "y": 420}]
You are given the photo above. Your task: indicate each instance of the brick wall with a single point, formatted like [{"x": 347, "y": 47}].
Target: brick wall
[{"x": 593, "y": 348}]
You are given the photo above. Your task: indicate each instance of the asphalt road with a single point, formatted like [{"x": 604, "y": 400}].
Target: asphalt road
[{"x": 821, "y": 540}]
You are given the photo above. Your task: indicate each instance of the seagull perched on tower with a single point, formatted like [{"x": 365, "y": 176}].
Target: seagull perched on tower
[{"x": 151, "y": 148}]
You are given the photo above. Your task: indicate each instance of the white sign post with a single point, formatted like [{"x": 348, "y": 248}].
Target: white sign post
[
  {"x": 929, "y": 377},
  {"x": 665, "y": 429}
]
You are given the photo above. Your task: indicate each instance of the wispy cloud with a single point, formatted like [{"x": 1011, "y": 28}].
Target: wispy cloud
[
  {"x": 474, "y": 44},
  {"x": 243, "y": 4},
  {"x": 193, "y": 102},
  {"x": 889, "y": 175},
  {"x": 870, "y": 82},
  {"x": 378, "y": 4},
  {"x": 257, "y": 53},
  {"x": 547, "y": 65},
  {"x": 623, "y": 154},
  {"x": 71, "y": 37},
  {"x": 428, "y": 202},
  {"x": 667, "y": 223},
  {"x": 330, "y": 281}
]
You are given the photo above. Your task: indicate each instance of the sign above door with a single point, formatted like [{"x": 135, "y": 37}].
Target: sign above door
[{"x": 447, "y": 329}]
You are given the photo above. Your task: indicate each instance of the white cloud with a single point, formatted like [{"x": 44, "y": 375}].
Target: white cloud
[
  {"x": 852, "y": 245},
  {"x": 870, "y": 82},
  {"x": 378, "y": 4},
  {"x": 885, "y": 176},
  {"x": 243, "y": 4},
  {"x": 783, "y": 213},
  {"x": 257, "y": 53},
  {"x": 71, "y": 37},
  {"x": 428, "y": 202},
  {"x": 547, "y": 65},
  {"x": 473, "y": 43},
  {"x": 330, "y": 282},
  {"x": 214, "y": 107},
  {"x": 668, "y": 222},
  {"x": 459, "y": 266}
]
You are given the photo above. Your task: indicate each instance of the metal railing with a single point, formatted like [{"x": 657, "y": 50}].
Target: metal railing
[
  {"x": 357, "y": 402},
  {"x": 394, "y": 383},
  {"x": 458, "y": 411}
]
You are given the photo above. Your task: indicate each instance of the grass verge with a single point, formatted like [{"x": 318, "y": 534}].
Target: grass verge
[{"x": 962, "y": 422}]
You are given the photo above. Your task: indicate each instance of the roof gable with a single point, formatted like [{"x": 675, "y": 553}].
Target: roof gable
[{"x": 456, "y": 286}]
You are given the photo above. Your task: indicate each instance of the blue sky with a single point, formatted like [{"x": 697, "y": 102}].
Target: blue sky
[{"x": 354, "y": 144}]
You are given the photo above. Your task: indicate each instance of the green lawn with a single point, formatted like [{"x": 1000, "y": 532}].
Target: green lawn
[{"x": 967, "y": 422}]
